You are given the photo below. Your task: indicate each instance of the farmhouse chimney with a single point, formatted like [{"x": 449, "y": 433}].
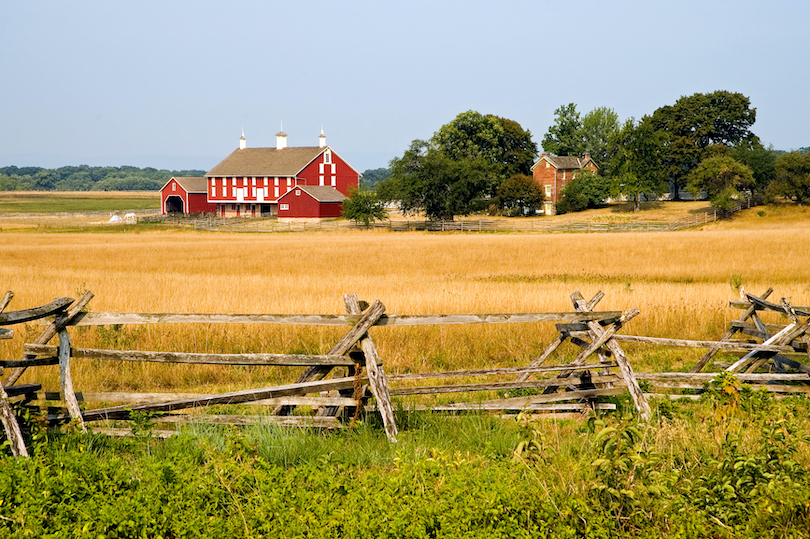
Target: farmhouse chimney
[
  {"x": 243, "y": 141},
  {"x": 322, "y": 140},
  {"x": 281, "y": 139}
]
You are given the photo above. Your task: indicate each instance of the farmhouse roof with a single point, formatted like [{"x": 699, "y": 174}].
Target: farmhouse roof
[
  {"x": 266, "y": 161},
  {"x": 191, "y": 184},
  {"x": 566, "y": 162},
  {"x": 321, "y": 193}
]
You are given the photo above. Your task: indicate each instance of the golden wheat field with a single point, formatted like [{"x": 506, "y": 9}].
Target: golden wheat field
[{"x": 680, "y": 281}]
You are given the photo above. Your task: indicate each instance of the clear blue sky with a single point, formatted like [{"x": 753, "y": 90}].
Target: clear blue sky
[{"x": 171, "y": 84}]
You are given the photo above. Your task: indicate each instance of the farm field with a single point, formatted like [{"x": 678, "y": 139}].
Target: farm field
[
  {"x": 734, "y": 464},
  {"x": 680, "y": 281},
  {"x": 77, "y": 201}
]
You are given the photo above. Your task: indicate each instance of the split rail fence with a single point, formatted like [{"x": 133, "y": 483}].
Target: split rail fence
[{"x": 600, "y": 368}]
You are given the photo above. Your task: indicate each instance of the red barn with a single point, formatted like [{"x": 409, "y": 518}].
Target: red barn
[
  {"x": 554, "y": 172},
  {"x": 313, "y": 202},
  {"x": 251, "y": 181},
  {"x": 185, "y": 194}
]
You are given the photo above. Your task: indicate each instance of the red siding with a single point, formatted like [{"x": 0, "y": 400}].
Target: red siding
[
  {"x": 304, "y": 206},
  {"x": 345, "y": 176},
  {"x": 192, "y": 202}
]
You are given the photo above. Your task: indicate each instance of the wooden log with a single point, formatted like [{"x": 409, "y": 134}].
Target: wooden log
[
  {"x": 708, "y": 377},
  {"x": 531, "y": 407},
  {"x": 343, "y": 346},
  {"x": 7, "y": 297},
  {"x": 688, "y": 343},
  {"x": 146, "y": 398},
  {"x": 376, "y": 378},
  {"x": 35, "y": 313},
  {"x": 52, "y": 329},
  {"x": 749, "y": 313},
  {"x": 12, "y": 428},
  {"x": 494, "y": 386},
  {"x": 111, "y": 318},
  {"x": 312, "y": 422},
  {"x": 489, "y": 372},
  {"x": 746, "y": 304},
  {"x": 786, "y": 335},
  {"x": 761, "y": 304},
  {"x": 624, "y": 365},
  {"x": 544, "y": 356},
  {"x": 29, "y": 390},
  {"x": 67, "y": 380},
  {"x": 234, "y": 397},
  {"x": 7, "y": 417},
  {"x": 295, "y": 360},
  {"x": 6, "y": 333},
  {"x": 518, "y": 403}
]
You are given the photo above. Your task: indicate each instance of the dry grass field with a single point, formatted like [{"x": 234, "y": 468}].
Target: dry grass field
[{"x": 680, "y": 281}]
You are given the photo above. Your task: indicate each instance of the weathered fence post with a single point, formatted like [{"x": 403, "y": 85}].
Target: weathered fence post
[{"x": 71, "y": 401}]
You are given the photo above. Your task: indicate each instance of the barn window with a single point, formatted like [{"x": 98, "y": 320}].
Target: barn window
[
  {"x": 213, "y": 191},
  {"x": 289, "y": 182},
  {"x": 298, "y": 192},
  {"x": 276, "y": 188},
  {"x": 284, "y": 207},
  {"x": 174, "y": 186},
  {"x": 213, "y": 181},
  {"x": 333, "y": 168},
  {"x": 265, "y": 181},
  {"x": 327, "y": 157}
]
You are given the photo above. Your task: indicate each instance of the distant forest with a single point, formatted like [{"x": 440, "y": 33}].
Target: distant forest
[{"x": 86, "y": 178}]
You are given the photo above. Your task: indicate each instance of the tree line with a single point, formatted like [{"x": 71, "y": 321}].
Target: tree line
[
  {"x": 702, "y": 144},
  {"x": 87, "y": 178}
]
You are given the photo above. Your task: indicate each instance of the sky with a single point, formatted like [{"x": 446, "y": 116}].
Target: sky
[{"x": 172, "y": 83}]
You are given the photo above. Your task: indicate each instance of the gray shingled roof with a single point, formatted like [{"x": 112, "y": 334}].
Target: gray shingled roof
[
  {"x": 323, "y": 193},
  {"x": 266, "y": 161},
  {"x": 192, "y": 184}
]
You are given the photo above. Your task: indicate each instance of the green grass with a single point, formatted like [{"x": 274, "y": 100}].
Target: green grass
[
  {"x": 77, "y": 202},
  {"x": 731, "y": 465}
]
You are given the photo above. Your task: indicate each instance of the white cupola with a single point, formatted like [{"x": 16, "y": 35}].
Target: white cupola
[
  {"x": 243, "y": 141},
  {"x": 281, "y": 139},
  {"x": 322, "y": 140}
]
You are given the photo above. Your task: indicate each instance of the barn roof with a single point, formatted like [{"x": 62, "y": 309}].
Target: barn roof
[
  {"x": 321, "y": 193},
  {"x": 192, "y": 184},
  {"x": 266, "y": 161}
]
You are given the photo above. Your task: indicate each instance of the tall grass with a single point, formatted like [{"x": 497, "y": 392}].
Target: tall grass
[{"x": 681, "y": 282}]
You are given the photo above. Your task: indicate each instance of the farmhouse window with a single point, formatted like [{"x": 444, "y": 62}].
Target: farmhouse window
[{"x": 548, "y": 190}]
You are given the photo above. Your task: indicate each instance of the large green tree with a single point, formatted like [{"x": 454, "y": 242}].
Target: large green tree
[
  {"x": 696, "y": 123},
  {"x": 426, "y": 179},
  {"x": 600, "y": 127},
  {"x": 722, "y": 178},
  {"x": 586, "y": 190},
  {"x": 565, "y": 136},
  {"x": 792, "y": 177},
  {"x": 520, "y": 195},
  {"x": 461, "y": 166},
  {"x": 636, "y": 165},
  {"x": 498, "y": 141},
  {"x": 364, "y": 206}
]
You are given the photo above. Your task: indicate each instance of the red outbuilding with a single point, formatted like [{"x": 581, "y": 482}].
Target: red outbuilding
[
  {"x": 186, "y": 195},
  {"x": 310, "y": 202}
]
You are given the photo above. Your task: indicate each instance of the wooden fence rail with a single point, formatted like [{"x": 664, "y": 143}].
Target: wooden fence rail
[{"x": 600, "y": 368}]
